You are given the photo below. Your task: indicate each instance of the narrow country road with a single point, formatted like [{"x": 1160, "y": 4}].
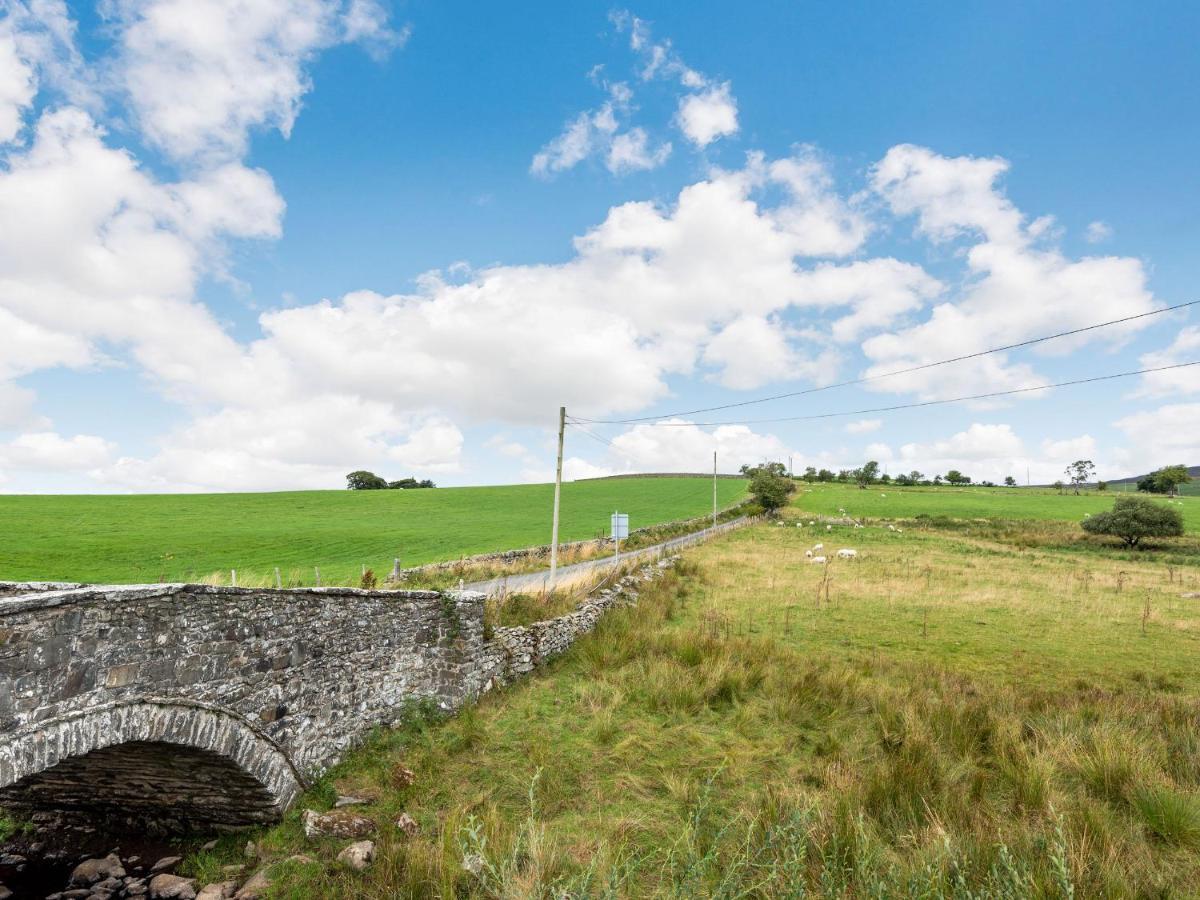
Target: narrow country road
[{"x": 571, "y": 575}]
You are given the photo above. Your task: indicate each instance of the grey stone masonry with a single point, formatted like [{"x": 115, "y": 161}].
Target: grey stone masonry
[{"x": 216, "y": 706}]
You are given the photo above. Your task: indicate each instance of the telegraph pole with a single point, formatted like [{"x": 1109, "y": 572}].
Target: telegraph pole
[
  {"x": 562, "y": 424},
  {"x": 714, "y": 489}
]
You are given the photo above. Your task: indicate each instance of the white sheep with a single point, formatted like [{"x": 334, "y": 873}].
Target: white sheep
[
  {"x": 829, "y": 528},
  {"x": 808, "y": 553},
  {"x": 818, "y": 548},
  {"x": 847, "y": 553},
  {"x": 891, "y": 528},
  {"x": 817, "y": 559}
]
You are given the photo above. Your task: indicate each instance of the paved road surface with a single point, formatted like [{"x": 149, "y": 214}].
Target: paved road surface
[{"x": 570, "y": 575}]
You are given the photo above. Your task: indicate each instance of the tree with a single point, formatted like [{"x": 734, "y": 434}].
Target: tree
[
  {"x": 1080, "y": 473},
  {"x": 775, "y": 468},
  {"x": 810, "y": 475},
  {"x": 956, "y": 477},
  {"x": 843, "y": 475},
  {"x": 867, "y": 474},
  {"x": 363, "y": 480},
  {"x": 1009, "y": 481},
  {"x": 825, "y": 476},
  {"x": 771, "y": 488},
  {"x": 1165, "y": 480},
  {"x": 1102, "y": 486},
  {"x": 408, "y": 484},
  {"x": 915, "y": 477},
  {"x": 885, "y": 478},
  {"x": 1134, "y": 518},
  {"x": 1058, "y": 486},
  {"x": 937, "y": 479}
]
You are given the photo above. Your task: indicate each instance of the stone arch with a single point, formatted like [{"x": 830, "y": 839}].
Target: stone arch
[{"x": 187, "y": 754}]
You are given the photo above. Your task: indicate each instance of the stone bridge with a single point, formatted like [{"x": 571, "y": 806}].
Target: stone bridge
[
  {"x": 190, "y": 707},
  {"x": 185, "y": 707}
]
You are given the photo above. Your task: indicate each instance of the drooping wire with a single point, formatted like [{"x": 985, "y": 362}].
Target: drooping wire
[
  {"x": 882, "y": 375},
  {"x": 901, "y": 406}
]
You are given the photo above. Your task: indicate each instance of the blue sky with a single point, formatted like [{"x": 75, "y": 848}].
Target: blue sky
[{"x": 256, "y": 245}]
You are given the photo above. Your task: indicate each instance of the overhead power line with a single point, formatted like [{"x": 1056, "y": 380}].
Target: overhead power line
[
  {"x": 910, "y": 369},
  {"x": 900, "y": 406}
]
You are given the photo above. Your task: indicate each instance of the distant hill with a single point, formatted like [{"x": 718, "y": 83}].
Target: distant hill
[{"x": 1194, "y": 471}]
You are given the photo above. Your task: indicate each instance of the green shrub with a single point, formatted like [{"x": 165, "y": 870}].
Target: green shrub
[
  {"x": 1170, "y": 815},
  {"x": 1134, "y": 518}
]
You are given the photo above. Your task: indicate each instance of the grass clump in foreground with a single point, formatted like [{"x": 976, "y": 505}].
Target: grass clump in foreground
[{"x": 672, "y": 753}]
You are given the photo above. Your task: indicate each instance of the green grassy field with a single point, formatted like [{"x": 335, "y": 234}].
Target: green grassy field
[
  {"x": 968, "y": 709},
  {"x": 183, "y": 537},
  {"x": 969, "y": 502}
]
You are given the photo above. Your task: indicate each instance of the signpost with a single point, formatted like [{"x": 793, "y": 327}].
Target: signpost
[{"x": 620, "y": 530}]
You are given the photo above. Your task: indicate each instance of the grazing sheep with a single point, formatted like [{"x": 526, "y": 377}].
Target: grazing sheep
[
  {"x": 891, "y": 528},
  {"x": 818, "y": 547},
  {"x": 829, "y": 528},
  {"x": 808, "y": 553},
  {"x": 847, "y": 553},
  {"x": 817, "y": 559}
]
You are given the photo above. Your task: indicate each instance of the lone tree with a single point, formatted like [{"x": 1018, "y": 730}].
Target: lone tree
[
  {"x": 770, "y": 487},
  {"x": 1165, "y": 480},
  {"x": 363, "y": 480},
  {"x": 956, "y": 477},
  {"x": 1009, "y": 481},
  {"x": 1080, "y": 473},
  {"x": 868, "y": 474},
  {"x": 1134, "y": 518}
]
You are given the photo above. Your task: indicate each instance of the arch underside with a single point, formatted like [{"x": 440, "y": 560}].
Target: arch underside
[
  {"x": 167, "y": 767},
  {"x": 143, "y": 786}
]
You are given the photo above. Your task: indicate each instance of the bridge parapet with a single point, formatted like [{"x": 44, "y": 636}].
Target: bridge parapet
[{"x": 280, "y": 682}]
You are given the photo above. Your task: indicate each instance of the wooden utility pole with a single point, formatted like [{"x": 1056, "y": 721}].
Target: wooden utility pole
[
  {"x": 562, "y": 424},
  {"x": 714, "y": 489}
]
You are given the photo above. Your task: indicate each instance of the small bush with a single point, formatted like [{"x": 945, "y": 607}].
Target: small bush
[
  {"x": 1134, "y": 518},
  {"x": 1170, "y": 815}
]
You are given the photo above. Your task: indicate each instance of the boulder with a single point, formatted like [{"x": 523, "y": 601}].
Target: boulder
[
  {"x": 339, "y": 823},
  {"x": 172, "y": 887},
  {"x": 358, "y": 855},
  {"x": 166, "y": 864},
  {"x": 260, "y": 882},
  {"x": 90, "y": 871},
  {"x": 407, "y": 824},
  {"x": 221, "y": 890},
  {"x": 256, "y": 887}
]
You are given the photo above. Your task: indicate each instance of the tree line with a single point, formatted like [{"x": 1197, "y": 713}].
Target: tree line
[{"x": 363, "y": 480}]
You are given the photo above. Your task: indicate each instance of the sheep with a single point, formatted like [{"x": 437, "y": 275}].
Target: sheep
[
  {"x": 829, "y": 528},
  {"x": 817, "y": 559},
  {"x": 818, "y": 548},
  {"x": 808, "y": 553},
  {"x": 891, "y": 528},
  {"x": 847, "y": 553}
]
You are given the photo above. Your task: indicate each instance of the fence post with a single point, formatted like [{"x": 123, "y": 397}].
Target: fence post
[
  {"x": 233, "y": 577},
  {"x": 278, "y": 580},
  {"x": 318, "y": 571}
]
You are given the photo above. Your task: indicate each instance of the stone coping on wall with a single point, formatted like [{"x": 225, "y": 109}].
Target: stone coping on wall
[{"x": 18, "y": 596}]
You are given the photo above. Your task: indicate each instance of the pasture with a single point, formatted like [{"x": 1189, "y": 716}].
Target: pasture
[
  {"x": 971, "y": 502},
  {"x": 188, "y": 537},
  {"x": 966, "y": 709}
]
